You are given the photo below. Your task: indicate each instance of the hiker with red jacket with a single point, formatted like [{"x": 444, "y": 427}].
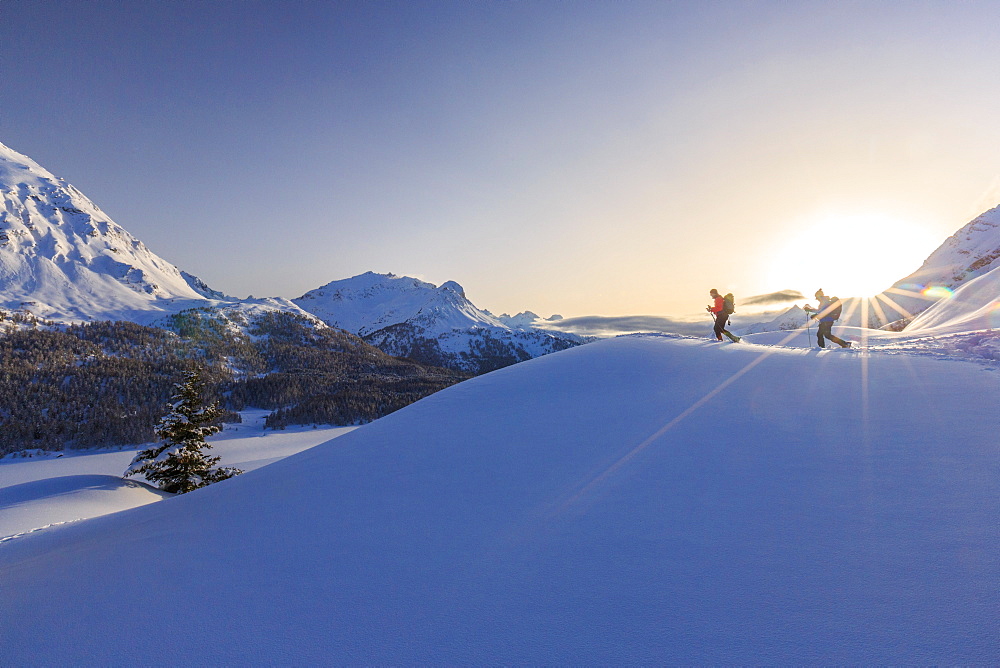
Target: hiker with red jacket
[
  {"x": 721, "y": 310},
  {"x": 827, "y": 312}
]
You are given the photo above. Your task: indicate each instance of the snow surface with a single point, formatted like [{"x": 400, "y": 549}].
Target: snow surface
[
  {"x": 974, "y": 306},
  {"x": 64, "y": 487},
  {"x": 32, "y": 506},
  {"x": 639, "y": 500}
]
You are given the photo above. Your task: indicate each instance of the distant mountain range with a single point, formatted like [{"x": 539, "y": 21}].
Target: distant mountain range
[{"x": 64, "y": 260}]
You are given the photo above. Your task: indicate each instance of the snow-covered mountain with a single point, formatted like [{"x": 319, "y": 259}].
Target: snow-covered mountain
[
  {"x": 972, "y": 251},
  {"x": 793, "y": 318},
  {"x": 61, "y": 257},
  {"x": 408, "y": 317},
  {"x": 525, "y": 320},
  {"x": 369, "y": 302}
]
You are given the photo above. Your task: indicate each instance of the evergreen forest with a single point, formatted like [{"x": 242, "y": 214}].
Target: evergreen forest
[{"x": 108, "y": 383}]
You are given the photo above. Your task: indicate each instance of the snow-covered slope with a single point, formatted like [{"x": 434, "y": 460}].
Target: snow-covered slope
[
  {"x": 64, "y": 258},
  {"x": 44, "y": 489},
  {"x": 408, "y": 317},
  {"x": 975, "y": 305},
  {"x": 972, "y": 251},
  {"x": 35, "y": 505},
  {"x": 640, "y": 500}
]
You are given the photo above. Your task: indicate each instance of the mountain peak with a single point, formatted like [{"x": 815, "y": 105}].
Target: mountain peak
[
  {"x": 408, "y": 317},
  {"x": 371, "y": 301},
  {"x": 17, "y": 169},
  {"x": 66, "y": 259},
  {"x": 454, "y": 287}
]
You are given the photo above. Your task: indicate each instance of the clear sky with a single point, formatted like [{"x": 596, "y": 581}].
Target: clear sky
[{"x": 564, "y": 157}]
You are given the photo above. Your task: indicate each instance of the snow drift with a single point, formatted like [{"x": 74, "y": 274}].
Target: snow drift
[
  {"x": 49, "y": 488},
  {"x": 67, "y": 498},
  {"x": 637, "y": 500},
  {"x": 973, "y": 306}
]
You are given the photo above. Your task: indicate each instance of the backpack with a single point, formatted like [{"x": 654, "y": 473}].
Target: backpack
[
  {"x": 729, "y": 304},
  {"x": 836, "y": 308}
]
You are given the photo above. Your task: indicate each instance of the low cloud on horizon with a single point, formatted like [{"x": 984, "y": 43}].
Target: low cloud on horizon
[
  {"x": 605, "y": 326},
  {"x": 771, "y": 298}
]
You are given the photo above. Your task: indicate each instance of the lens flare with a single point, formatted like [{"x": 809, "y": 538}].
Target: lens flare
[
  {"x": 994, "y": 317},
  {"x": 937, "y": 292}
]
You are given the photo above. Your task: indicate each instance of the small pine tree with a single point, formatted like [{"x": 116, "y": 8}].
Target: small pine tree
[{"x": 178, "y": 465}]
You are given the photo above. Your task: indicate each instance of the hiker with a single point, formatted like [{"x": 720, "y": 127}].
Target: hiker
[
  {"x": 828, "y": 311},
  {"x": 721, "y": 310}
]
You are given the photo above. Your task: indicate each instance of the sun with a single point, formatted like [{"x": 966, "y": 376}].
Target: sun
[{"x": 850, "y": 255}]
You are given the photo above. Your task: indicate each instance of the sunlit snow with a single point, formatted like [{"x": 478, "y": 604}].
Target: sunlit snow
[{"x": 639, "y": 500}]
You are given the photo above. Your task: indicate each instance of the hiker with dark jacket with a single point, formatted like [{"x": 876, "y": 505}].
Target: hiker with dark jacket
[
  {"x": 718, "y": 309},
  {"x": 827, "y": 313}
]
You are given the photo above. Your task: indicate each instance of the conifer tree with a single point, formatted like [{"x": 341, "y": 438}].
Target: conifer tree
[{"x": 178, "y": 464}]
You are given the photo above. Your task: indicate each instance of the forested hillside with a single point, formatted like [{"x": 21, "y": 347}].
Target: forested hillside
[{"x": 107, "y": 383}]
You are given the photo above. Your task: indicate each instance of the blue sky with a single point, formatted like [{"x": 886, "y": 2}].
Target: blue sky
[{"x": 573, "y": 157}]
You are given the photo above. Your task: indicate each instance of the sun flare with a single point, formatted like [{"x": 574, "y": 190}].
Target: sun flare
[{"x": 852, "y": 255}]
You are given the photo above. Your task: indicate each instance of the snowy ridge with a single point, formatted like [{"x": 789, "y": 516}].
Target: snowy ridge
[
  {"x": 524, "y": 320},
  {"x": 969, "y": 254},
  {"x": 793, "y": 318},
  {"x": 972, "y": 251}
]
